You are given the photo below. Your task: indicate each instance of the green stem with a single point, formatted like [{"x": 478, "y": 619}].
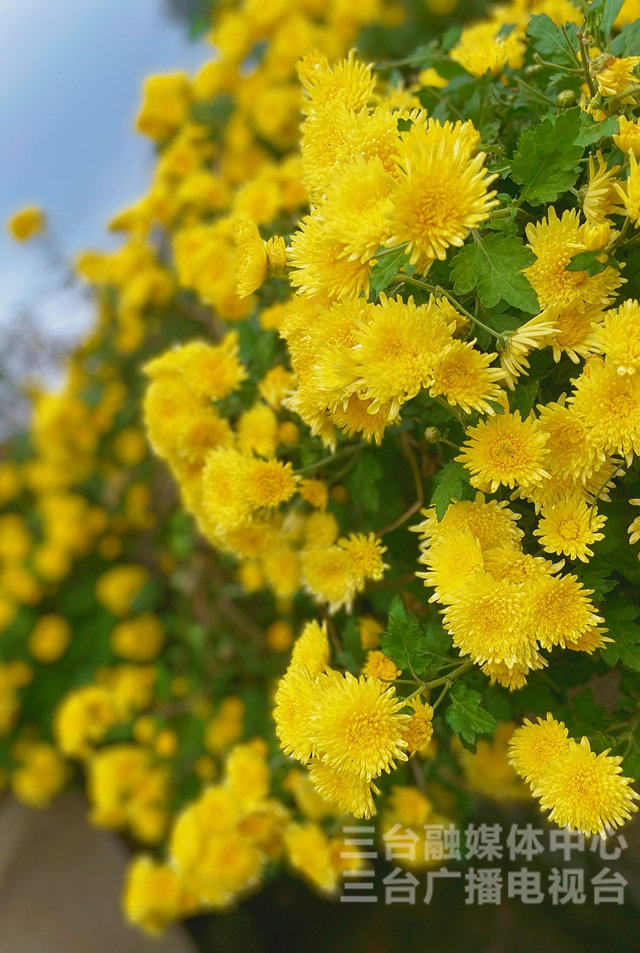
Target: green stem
[
  {"x": 556, "y": 66},
  {"x": 353, "y": 448},
  {"x": 536, "y": 92},
  {"x": 585, "y": 66},
  {"x": 570, "y": 44},
  {"x": 454, "y": 411},
  {"x": 451, "y": 677},
  {"x": 444, "y": 691},
  {"x": 449, "y": 443}
]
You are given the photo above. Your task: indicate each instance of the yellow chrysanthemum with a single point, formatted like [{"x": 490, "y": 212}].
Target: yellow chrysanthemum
[
  {"x": 555, "y": 242},
  {"x": 328, "y": 576},
  {"x": 569, "y": 527},
  {"x": 481, "y": 48},
  {"x": 490, "y": 621},
  {"x": 26, "y": 223},
  {"x": 571, "y": 453},
  {"x": 348, "y": 81},
  {"x": 311, "y": 649},
  {"x": 619, "y": 337},
  {"x": 252, "y": 257},
  {"x": 561, "y": 609},
  {"x": 377, "y": 665},
  {"x": 491, "y": 522},
  {"x": 418, "y": 731},
  {"x": 533, "y": 746},
  {"x": 267, "y": 483},
  {"x": 354, "y": 417},
  {"x": 505, "y": 451},
  {"x": 357, "y": 727},
  {"x": 629, "y": 192},
  {"x": 365, "y": 555},
  {"x": 295, "y": 701},
  {"x": 398, "y": 349},
  {"x": 584, "y": 791},
  {"x": 600, "y": 197},
  {"x": 453, "y": 559},
  {"x": 440, "y": 194},
  {"x": 322, "y": 265},
  {"x": 462, "y": 374},
  {"x": 609, "y": 405},
  {"x": 617, "y": 76},
  {"x": 628, "y": 137},
  {"x": 356, "y": 206},
  {"x": 350, "y": 792}
]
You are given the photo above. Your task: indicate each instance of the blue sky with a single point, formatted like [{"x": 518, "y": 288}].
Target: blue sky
[{"x": 70, "y": 78}]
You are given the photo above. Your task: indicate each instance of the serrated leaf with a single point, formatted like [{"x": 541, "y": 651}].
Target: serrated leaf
[
  {"x": 466, "y": 716},
  {"x": 588, "y": 261},
  {"x": 523, "y": 397},
  {"x": 625, "y": 631},
  {"x": 362, "y": 482},
  {"x": 548, "y": 39},
  {"x": 597, "y": 578},
  {"x": 435, "y": 641},
  {"x": 494, "y": 266},
  {"x": 610, "y": 11},
  {"x": 627, "y": 43},
  {"x": 592, "y": 131},
  {"x": 451, "y": 483},
  {"x": 385, "y": 269},
  {"x": 546, "y": 163},
  {"x": 403, "y": 638}
]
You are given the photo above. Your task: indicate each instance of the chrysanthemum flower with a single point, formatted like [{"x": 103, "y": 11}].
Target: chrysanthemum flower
[
  {"x": 574, "y": 330},
  {"x": 418, "y": 731},
  {"x": 283, "y": 571},
  {"x": 609, "y": 405},
  {"x": 354, "y": 417},
  {"x": 480, "y": 48},
  {"x": 629, "y": 192},
  {"x": 619, "y": 337},
  {"x": 258, "y": 430},
  {"x": 267, "y": 483},
  {"x": 212, "y": 371},
  {"x": 321, "y": 264},
  {"x": 600, "y": 197},
  {"x": 491, "y": 522},
  {"x": 296, "y": 698},
  {"x": 513, "y": 676},
  {"x": 224, "y": 499},
  {"x": 357, "y": 727},
  {"x": 516, "y": 566},
  {"x": 348, "y": 81},
  {"x": 440, "y": 195},
  {"x": 513, "y": 353},
  {"x": 315, "y": 492},
  {"x": 462, "y": 374},
  {"x": 252, "y": 536},
  {"x": 350, "y": 792},
  {"x": 628, "y": 137},
  {"x": 569, "y": 527},
  {"x": 377, "y": 665},
  {"x": 311, "y": 649},
  {"x": 505, "y": 450},
  {"x": 252, "y": 257},
  {"x": 398, "y": 349},
  {"x": 365, "y": 555},
  {"x": 328, "y": 576},
  {"x": 453, "y": 559},
  {"x": 584, "y": 791},
  {"x": 355, "y": 207},
  {"x": 561, "y": 609},
  {"x": 533, "y": 746},
  {"x": 490, "y": 621},
  {"x": 555, "y": 242},
  {"x": 571, "y": 452},
  {"x": 617, "y": 76},
  {"x": 590, "y": 640}
]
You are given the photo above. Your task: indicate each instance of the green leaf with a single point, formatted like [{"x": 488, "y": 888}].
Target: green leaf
[
  {"x": 627, "y": 43},
  {"x": 523, "y": 397},
  {"x": 494, "y": 266},
  {"x": 597, "y": 578},
  {"x": 588, "y": 261},
  {"x": 631, "y": 765},
  {"x": 452, "y": 482},
  {"x": 465, "y": 715},
  {"x": 549, "y": 40},
  {"x": 385, "y": 269},
  {"x": 435, "y": 640},
  {"x": 592, "y": 131},
  {"x": 620, "y": 617},
  {"x": 403, "y": 639},
  {"x": 546, "y": 162},
  {"x": 610, "y": 11}
]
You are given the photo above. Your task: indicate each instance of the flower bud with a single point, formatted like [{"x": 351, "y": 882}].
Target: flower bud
[
  {"x": 432, "y": 435},
  {"x": 566, "y": 98}
]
